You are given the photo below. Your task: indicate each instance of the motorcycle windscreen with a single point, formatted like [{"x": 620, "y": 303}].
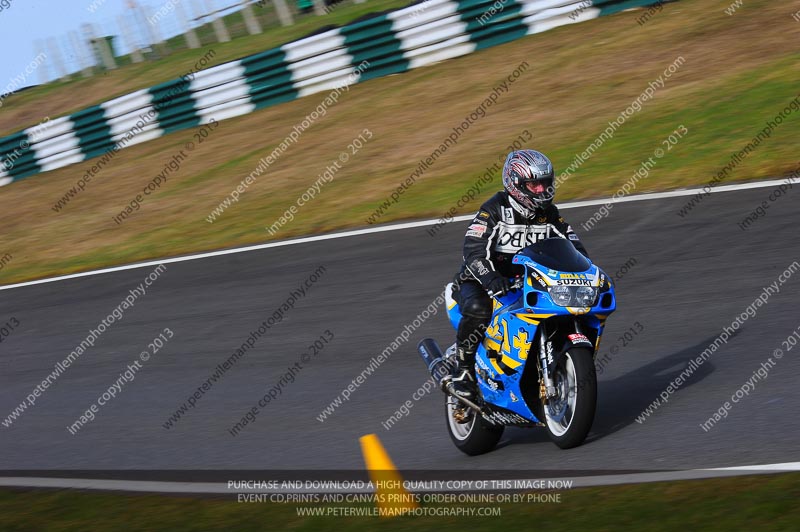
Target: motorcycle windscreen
[{"x": 557, "y": 254}]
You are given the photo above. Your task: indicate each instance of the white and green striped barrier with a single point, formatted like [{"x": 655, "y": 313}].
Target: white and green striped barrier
[{"x": 387, "y": 43}]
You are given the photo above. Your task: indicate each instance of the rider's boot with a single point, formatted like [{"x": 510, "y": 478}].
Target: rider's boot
[{"x": 462, "y": 375}]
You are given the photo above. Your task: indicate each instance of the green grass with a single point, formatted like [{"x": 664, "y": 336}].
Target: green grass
[{"x": 763, "y": 503}]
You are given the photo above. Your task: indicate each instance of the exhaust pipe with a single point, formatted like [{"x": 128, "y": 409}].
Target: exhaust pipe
[
  {"x": 437, "y": 366},
  {"x": 432, "y": 355}
]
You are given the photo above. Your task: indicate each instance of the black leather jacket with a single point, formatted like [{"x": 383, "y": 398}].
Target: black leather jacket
[{"x": 498, "y": 231}]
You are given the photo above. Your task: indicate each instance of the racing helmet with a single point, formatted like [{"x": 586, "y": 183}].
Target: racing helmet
[{"x": 528, "y": 177}]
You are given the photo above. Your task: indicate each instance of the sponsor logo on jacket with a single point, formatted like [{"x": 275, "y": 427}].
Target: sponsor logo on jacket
[{"x": 512, "y": 238}]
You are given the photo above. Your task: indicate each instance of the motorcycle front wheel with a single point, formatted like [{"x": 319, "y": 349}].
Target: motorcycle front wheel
[{"x": 570, "y": 414}]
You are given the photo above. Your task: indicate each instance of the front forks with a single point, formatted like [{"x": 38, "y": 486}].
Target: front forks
[{"x": 547, "y": 388}]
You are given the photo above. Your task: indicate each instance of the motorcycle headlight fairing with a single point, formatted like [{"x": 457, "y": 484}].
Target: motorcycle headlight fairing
[{"x": 573, "y": 296}]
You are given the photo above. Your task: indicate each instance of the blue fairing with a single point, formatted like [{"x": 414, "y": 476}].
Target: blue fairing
[{"x": 512, "y": 332}]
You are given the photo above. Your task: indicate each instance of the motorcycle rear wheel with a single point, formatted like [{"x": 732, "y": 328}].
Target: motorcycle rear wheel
[{"x": 476, "y": 435}]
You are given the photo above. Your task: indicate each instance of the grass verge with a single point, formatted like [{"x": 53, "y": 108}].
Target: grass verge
[
  {"x": 734, "y": 77},
  {"x": 766, "y": 503}
]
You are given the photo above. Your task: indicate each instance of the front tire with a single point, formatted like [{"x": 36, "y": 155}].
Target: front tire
[
  {"x": 476, "y": 435},
  {"x": 569, "y": 416}
]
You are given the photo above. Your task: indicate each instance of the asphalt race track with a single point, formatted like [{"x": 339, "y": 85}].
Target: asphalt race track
[{"x": 692, "y": 276}]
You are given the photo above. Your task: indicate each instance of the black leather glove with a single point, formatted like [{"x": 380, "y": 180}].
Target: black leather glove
[{"x": 498, "y": 286}]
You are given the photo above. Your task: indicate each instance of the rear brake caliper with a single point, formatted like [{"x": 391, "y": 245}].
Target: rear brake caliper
[{"x": 461, "y": 414}]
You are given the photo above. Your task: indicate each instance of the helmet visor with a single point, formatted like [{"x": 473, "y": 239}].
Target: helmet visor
[{"x": 539, "y": 188}]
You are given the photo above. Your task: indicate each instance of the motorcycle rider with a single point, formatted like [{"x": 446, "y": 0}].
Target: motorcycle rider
[{"x": 512, "y": 219}]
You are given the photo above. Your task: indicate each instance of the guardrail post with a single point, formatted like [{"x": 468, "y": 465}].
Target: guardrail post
[
  {"x": 219, "y": 26},
  {"x": 319, "y": 7},
  {"x": 80, "y": 53},
  {"x": 56, "y": 59},
  {"x": 125, "y": 29},
  {"x": 284, "y": 15},
  {"x": 253, "y": 27},
  {"x": 191, "y": 37},
  {"x": 100, "y": 46},
  {"x": 152, "y": 28}
]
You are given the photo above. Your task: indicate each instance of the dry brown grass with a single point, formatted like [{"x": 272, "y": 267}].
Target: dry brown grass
[{"x": 582, "y": 76}]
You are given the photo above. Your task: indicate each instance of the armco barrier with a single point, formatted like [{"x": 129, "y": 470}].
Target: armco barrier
[{"x": 386, "y": 43}]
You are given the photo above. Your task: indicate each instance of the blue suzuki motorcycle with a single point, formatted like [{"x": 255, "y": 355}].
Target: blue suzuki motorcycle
[{"x": 535, "y": 366}]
